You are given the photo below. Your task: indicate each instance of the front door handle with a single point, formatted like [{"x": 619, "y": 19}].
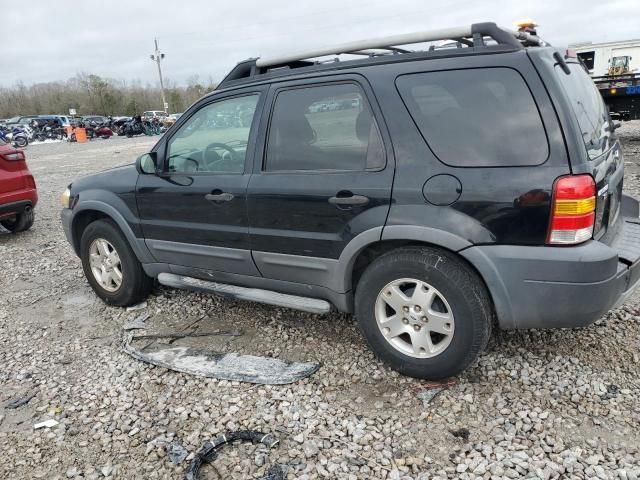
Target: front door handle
[
  {"x": 219, "y": 197},
  {"x": 349, "y": 200}
]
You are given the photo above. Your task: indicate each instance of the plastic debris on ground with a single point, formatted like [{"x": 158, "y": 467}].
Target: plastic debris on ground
[
  {"x": 427, "y": 395},
  {"x": 176, "y": 453},
  {"x": 224, "y": 366},
  {"x": 139, "y": 306},
  {"x": 427, "y": 391},
  {"x": 46, "y": 424},
  {"x": 137, "y": 323},
  {"x": 209, "y": 452}
]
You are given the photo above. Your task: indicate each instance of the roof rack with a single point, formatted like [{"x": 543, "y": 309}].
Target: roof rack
[{"x": 471, "y": 36}]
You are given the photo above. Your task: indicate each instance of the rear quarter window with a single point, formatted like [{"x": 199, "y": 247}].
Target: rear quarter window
[
  {"x": 482, "y": 117},
  {"x": 588, "y": 107}
]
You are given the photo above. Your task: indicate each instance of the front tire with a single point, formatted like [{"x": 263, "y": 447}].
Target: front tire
[
  {"x": 20, "y": 223},
  {"x": 111, "y": 267},
  {"x": 424, "y": 312}
]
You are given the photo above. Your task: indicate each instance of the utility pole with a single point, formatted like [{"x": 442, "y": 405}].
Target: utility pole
[{"x": 158, "y": 57}]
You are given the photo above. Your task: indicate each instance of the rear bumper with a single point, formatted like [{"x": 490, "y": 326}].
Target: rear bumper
[
  {"x": 558, "y": 287},
  {"x": 15, "y": 208}
]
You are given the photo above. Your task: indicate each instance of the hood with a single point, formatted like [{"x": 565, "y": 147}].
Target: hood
[{"x": 121, "y": 179}]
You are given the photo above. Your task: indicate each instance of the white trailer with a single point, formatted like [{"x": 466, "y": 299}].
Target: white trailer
[{"x": 598, "y": 57}]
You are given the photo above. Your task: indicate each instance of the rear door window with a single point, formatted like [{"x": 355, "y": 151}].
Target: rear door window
[
  {"x": 483, "y": 117},
  {"x": 588, "y": 107},
  {"x": 325, "y": 127}
]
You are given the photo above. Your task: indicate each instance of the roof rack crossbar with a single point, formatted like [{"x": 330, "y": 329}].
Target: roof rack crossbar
[{"x": 460, "y": 34}]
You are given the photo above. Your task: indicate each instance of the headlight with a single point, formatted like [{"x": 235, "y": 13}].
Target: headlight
[{"x": 64, "y": 199}]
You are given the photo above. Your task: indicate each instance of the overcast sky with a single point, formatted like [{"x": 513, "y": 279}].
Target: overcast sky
[{"x": 53, "y": 40}]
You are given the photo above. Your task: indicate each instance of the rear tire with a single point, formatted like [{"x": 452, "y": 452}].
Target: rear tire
[
  {"x": 431, "y": 290},
  {"x": 20, "y": 223},
  {"x": 134, "y": 284}
]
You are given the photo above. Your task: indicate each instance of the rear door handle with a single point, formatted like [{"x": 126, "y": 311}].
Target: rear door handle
[
  {"x": 219, "y": 197},
  {"x": 349, "y": 200}
]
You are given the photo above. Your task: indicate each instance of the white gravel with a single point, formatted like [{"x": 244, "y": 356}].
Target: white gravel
[{"x": 539, "y": 404}]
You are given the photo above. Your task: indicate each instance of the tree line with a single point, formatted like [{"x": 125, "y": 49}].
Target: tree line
[{"x": 91, "y": 94}]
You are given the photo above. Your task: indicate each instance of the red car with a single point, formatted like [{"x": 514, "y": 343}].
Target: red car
[{"x": 18, "y": 195}]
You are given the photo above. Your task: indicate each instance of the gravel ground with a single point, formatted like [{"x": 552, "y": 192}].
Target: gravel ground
[{"x": 539, "y": 404}]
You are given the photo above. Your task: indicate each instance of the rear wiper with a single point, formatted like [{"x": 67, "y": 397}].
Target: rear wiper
[{"x": 561, "y": 62}]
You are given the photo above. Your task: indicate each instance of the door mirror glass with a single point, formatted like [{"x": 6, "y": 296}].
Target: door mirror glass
[{"x": 147, "y": 163}]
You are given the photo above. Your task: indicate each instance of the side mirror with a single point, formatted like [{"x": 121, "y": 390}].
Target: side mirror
[{"x": 147, "y": 163}]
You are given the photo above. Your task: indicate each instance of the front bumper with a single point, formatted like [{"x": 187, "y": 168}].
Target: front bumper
[
  {"x": 66, "y": 215},
  {"x": 558, "y": 287}
]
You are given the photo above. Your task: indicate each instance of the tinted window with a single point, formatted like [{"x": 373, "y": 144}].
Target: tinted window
[
  {"x": 328, "y": 127},
  {"x": 476, "y": 118},
  {"x": 214, "y": 139},
  {"x": 588, "y": 107}
]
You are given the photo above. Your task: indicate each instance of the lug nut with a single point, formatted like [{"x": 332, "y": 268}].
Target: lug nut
[
  {"x": 405, "y": 321},
  {"x": 417, "y": 308},
  {"x": 424, "y": 319},
  {"x": 416, "y": 328},
  {"x": 406, "y": 309}
]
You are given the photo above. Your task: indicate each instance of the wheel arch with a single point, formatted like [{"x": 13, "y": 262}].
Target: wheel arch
[
  {"x": 88, "y": 212},
  {"x": 412, "y": 236}
]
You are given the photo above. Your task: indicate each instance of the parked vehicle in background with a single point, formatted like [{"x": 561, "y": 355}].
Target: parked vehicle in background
[
  {"x": 609, "y": 58},
  {"x": 151, "y": 114},
  {"x": 100, "y": 130},
  {"x": 18, "y": 194},
  {"x": 118, "y": 123},
  {"x": 62, "y": 120},
  {"x": 97, "y": 119},
  {"x": 47, "y": 128},
  {"x": 133, "y": 127},
  {"x": 14, "y": 135},
  {"x": 21, "y": 120},
  {"x": 615, "y": 69},
  {"x": 171, "y": 119},
  {"x": 432, "y": 193}
]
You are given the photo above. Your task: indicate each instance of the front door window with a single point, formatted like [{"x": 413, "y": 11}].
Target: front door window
[{"x": 214, "y": 139}]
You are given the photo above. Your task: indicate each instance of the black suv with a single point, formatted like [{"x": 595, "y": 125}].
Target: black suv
[{"x": 431, "y": 193}]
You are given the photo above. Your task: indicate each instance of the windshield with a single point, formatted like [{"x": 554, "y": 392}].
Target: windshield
[
  {"x": 588, "y": 107},
  {"x": 619, "y": 61}
]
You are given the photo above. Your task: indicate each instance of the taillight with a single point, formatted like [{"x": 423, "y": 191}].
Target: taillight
[
  {"x": 13, "y": 155},
  {"x": 573, "y": 210}
]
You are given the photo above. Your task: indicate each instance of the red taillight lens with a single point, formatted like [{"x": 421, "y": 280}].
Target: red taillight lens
[{"x": 573, "y": 210}]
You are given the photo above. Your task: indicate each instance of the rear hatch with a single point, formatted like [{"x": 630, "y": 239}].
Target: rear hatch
[{"x": 602, "y": 153}]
